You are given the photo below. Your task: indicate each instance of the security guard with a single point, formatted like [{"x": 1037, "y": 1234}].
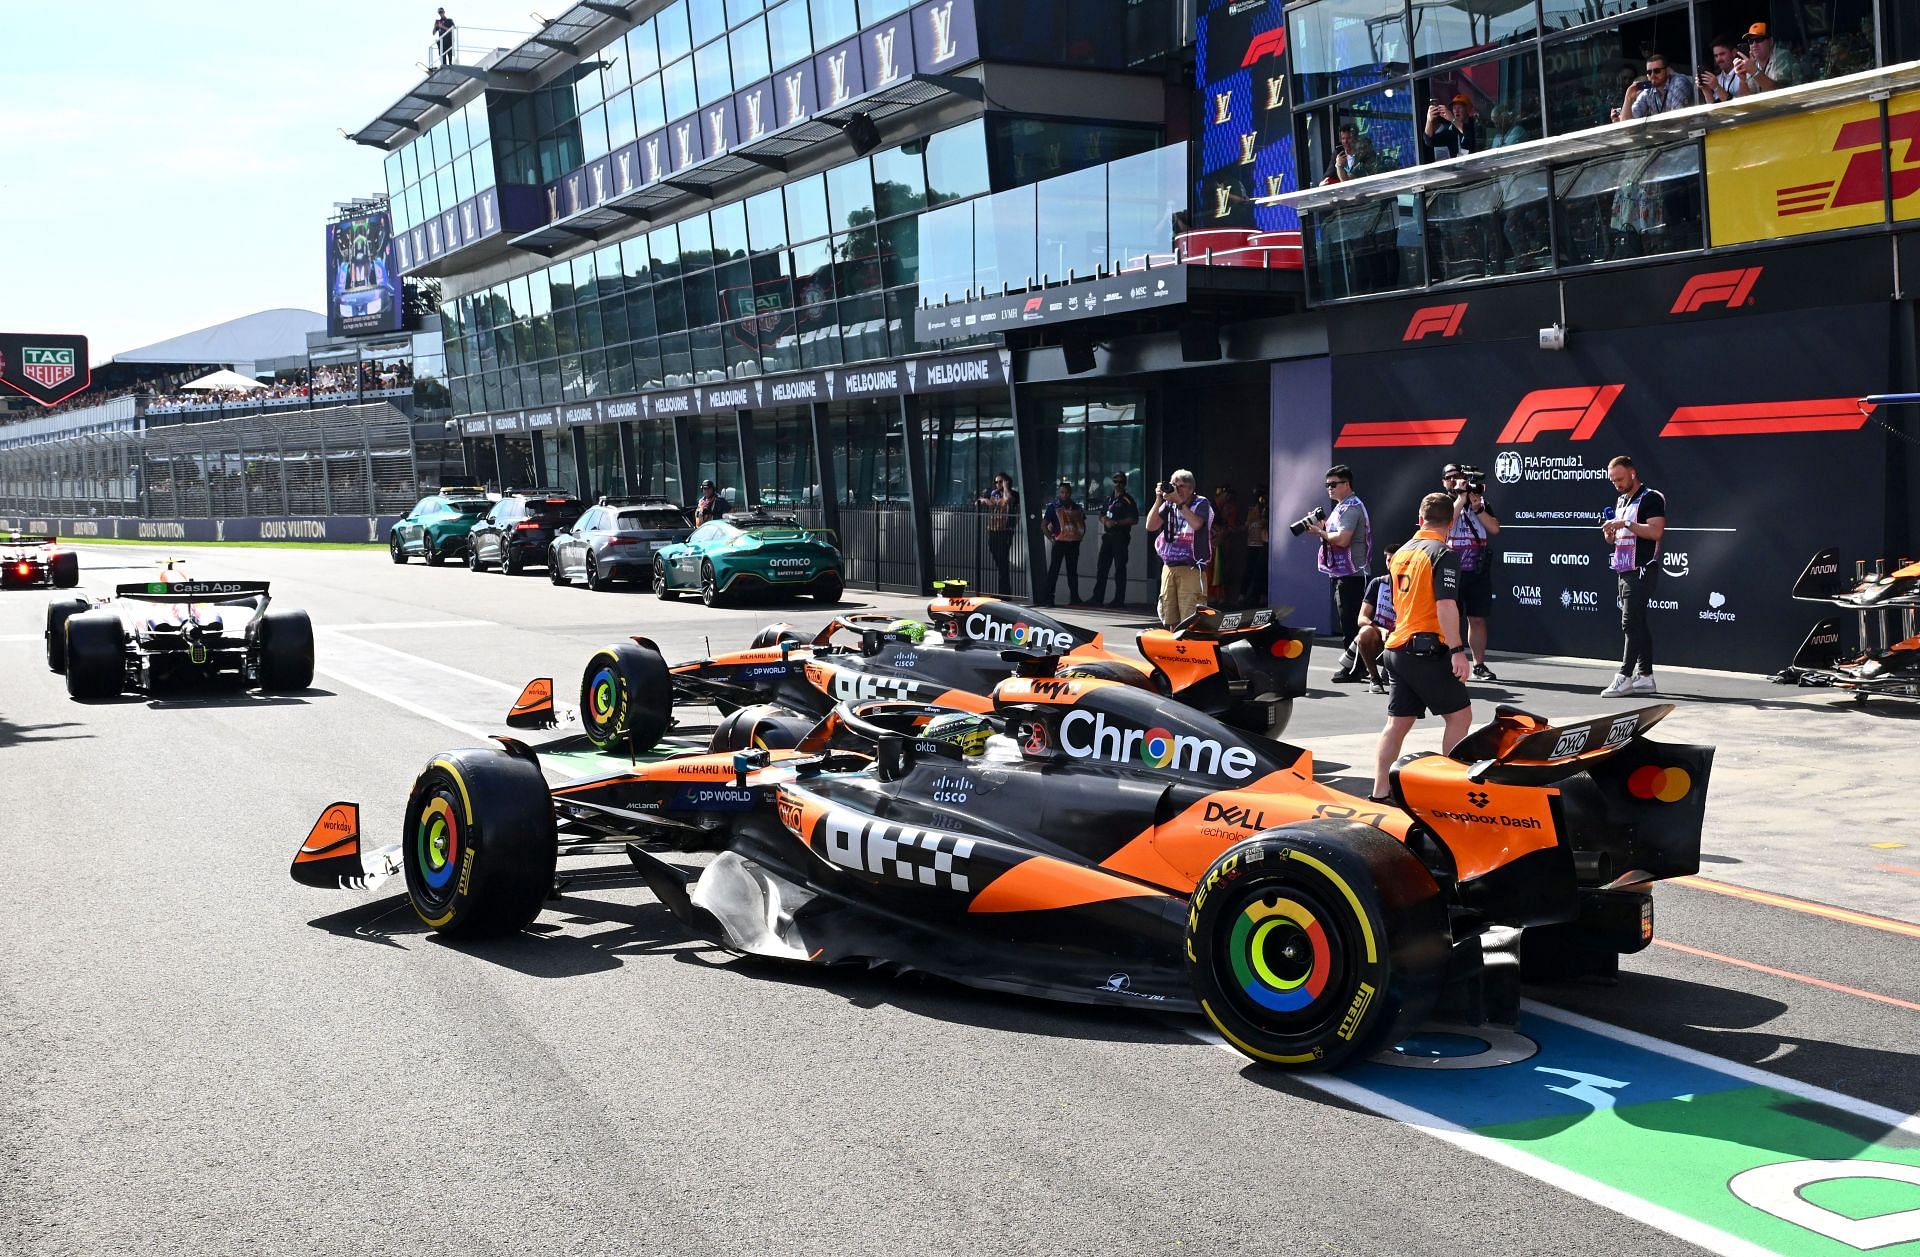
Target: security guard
[{"x": 1425, "y": 652}]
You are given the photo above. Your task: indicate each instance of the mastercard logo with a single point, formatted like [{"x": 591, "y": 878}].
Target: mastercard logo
[
  {"x": 1156, "y": 748},
  {"x": 1664, "y": 785},
  {"x": 1289, "y": 649}
]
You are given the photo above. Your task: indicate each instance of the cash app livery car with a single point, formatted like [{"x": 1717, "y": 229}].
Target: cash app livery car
[
  {"x": 1108, "y": 848},
  {"x": 30, "y": 559},
  {"x": 760, "y": 550},
  {"x": 616, "y": 541},
  {"x": 437, "y": 527},
  {"x": 176, "y": 631}
]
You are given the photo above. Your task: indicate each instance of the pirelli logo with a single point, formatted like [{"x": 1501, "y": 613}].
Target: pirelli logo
[{"x": 1731, "y": 289}]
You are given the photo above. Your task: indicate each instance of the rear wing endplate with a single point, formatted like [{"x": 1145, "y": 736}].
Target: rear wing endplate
[{"x": 192, "y": 591}]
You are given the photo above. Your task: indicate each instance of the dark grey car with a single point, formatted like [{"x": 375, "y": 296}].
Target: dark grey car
[{"x": 616, "y": 541}]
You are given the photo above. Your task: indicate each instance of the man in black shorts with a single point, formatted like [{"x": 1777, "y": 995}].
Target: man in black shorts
[{"x": 1425, "y": 653}]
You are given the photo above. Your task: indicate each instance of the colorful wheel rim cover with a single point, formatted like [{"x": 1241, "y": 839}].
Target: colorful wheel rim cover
[
  {"x": 603, "y": 698},
  {"x": 1280, "y": 955},
  {"x": 438, "y": 842}
]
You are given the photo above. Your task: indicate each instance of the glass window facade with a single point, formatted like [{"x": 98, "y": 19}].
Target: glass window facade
[{"x": 450, "y": 163}]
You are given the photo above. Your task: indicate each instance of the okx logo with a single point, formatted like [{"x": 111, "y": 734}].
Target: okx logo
[
  {"x": 1441, "y": 321},
  {"x": 1578, "y": 411},
  {"x": 1731, "y": 289}
]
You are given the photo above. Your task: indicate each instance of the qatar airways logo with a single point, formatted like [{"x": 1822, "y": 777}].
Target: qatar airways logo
[
  {"x": 1087, "y": 735},
  {"x": 980, "y": 627}
]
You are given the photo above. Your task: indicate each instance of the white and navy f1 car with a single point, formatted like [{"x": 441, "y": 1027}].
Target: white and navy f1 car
[
  {"x": 28, "y": 559},
  {"x": 171, "y": 631}
]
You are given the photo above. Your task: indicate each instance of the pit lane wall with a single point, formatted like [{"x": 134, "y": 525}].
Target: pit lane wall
[
  {"x": 1733, "y": 383},
  {"x": 336, "y": 528}
]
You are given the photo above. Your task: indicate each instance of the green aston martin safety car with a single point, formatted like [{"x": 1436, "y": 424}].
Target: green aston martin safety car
[
  {"x": 758, "y": 550},
  {"x": 437, "y": 527}
]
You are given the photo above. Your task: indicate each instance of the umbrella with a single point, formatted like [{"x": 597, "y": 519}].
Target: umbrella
[{"x": 224, "y": 378}]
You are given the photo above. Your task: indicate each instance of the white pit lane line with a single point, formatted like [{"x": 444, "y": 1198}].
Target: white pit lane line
[{"x": 409, "y": 624}]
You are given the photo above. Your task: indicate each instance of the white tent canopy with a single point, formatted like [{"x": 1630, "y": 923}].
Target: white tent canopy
[
  {"x": 259, "y": 337},
  {"x": 225, "y": 379}
]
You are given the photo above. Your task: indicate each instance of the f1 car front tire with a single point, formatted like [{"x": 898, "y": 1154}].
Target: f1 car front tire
[
  {"x": 626, "y": 698},
  {"x": 59, "y": 611},
  {"x": 479, "y": 844},
  {"x": 1311, "y": 946},
  {"x": 63, "y": 569},
  {"x": 284, "y": 640},
  {"x": 96, "y": 655}
]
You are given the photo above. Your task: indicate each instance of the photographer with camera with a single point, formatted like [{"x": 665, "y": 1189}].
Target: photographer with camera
[
  {"x": 1181, "y": 522},
  {"x": 1346, "y": 552},
  {"x": 1425, "y": 654},
  {"x": 1474, "y": 527}
]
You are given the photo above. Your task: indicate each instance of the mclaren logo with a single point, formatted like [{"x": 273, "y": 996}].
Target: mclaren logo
[
  {"x": 1441, "y": 321},
  {"x": 1577, "y": 411},
  {"x": 1731, "y": 289}
]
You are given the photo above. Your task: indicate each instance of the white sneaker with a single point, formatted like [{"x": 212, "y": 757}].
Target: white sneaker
[
  {"x": 1622, "y": 684},
  {"x": 1642, "y": 685}
]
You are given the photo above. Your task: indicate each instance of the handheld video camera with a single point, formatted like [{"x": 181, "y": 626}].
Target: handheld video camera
[{"x": 1475, "y": 478}]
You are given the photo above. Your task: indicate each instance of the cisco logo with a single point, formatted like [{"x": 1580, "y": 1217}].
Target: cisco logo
[
  {"x": 1519, "y": 557},
  {"x": 1527, "y": 595},
  {"x": 1580, "y": 600},
  {"x": 1571, "y": 560},
  {"x": 1674, "y": 563}
]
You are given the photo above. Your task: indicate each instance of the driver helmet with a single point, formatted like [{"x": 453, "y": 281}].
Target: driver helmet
[
  {"x": 962, "y": 729},
  {"x": 913, "y": 630}
]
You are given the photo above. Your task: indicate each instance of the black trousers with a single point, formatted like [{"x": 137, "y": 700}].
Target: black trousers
[
  {"x": 1635, "y": 589},
  {"x": 1113, "y": 554},
  {"x": 1253, "y": 590},
  {"x": 1000, "y": 549},
  {"x": 1348, "y": 591},
  {"x": 1067, "y": 554}
]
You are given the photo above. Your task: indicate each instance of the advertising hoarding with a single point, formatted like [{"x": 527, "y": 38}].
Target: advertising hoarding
[
  {"x": 48, "y": 367},
  {"x": 363, "y": 282}
]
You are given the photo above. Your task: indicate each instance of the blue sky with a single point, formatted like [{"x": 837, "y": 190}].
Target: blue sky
[{"x": 171, "y": 165}]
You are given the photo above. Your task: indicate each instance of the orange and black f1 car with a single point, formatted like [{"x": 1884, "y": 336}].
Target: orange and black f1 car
[
  {"x": 1246, "y": 667},
  {"x": 1109, "y": 848},
  {"x": 1884, "y": 659}
]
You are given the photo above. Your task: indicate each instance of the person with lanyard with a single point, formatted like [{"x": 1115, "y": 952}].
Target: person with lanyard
[
  {"x": 1473, "y": 527},
  {"x": 1346, "y": 553},
  {"x": 1253, "y": 590},
  {"x": 1425, "y": 652},
  {"x": 1117, "y": 519},
  {"x": 711, "y": 505},
  {"x": 1003, "y": 514},
  {"x": 1376, "y": 622},
  {"x": 1634, "y": 528},
  {"x": 1065, "y": 523},
  {"x": 1182, "y": 524}
]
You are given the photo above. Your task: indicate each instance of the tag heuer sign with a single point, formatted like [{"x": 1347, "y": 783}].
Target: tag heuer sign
[{"x": 49, "y": 368}]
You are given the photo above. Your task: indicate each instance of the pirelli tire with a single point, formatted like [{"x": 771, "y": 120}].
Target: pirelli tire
[
  {"x": 59, "y": 611},
  {"x": 771, "y": 635},
  {"x": 283, "y": 651},
  {"x": 96, "y": 654},
  {"x": 1313, "y": 946},
  {"x": 63, "y": 569},
  {"x": 479, "y": 844},
  {"x": 626, "y": 697},
  {"x": 761, "y": 727}
]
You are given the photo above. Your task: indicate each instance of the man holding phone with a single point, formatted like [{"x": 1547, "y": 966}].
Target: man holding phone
[
  {"x": 1662, "y": 90},
  {"x": 1450, "y": 128},
  {"x": 1720, "y": 83}
]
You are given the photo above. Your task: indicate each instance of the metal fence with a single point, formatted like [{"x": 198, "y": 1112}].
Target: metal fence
[{"x": 346, "y": 460}]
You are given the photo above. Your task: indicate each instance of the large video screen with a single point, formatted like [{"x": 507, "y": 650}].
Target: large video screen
[
  {"x": 1246, "y": 131},
  {"x": 363, "y": 284}
]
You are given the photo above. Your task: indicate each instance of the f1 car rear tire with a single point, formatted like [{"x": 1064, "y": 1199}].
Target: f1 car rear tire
[
  {"x": 284, "y": 642},
  {"x": 709, "y": 586},
  {"x": 761, "y": 727},
  {"x": 661, "y": 590},
  {"x": 479, "y": 844},
  {"x": 1310, "y": 946},
  {"x": 96, "y": 654},
  {"x": 59, "y": 611},
  {"x": 772, "y": 635},
  {"x": 63, "y": 569},
  {"x": 828, "y": 591},
  {"x": 626, "y": 698},
  {"x": 396, "y": 547}
]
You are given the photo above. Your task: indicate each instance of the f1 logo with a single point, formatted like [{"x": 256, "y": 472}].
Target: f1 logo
[
  {"x": 1575, "y": 410},
  {"x": 1271, "y": 43},
  {"x": 1033, "y": 305},
  {"x": 1428, "y": 320},
  {"x": 1728, "y": 288}
]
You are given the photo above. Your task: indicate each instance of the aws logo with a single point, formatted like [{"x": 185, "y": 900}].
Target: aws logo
[{"x": 1577, "y": 411}]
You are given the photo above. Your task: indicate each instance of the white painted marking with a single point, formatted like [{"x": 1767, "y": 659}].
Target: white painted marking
[
  {"x": 411, "y": 624},
  {"x": 425, "y": 662},
  {"x": 22, "y": 637},
  {"x": 367, "y": 687},
  {"x": 1594, "y": 527}
]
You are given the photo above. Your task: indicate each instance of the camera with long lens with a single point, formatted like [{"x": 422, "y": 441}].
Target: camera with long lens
[
  {"x": 1475, "y": 478},
  {"x": 1307, "y": 521}
]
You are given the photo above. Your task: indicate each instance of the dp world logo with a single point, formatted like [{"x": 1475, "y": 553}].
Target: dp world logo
[{"x": 1506, "y": 467}]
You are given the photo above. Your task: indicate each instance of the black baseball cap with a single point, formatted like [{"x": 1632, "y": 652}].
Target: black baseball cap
[
  {"x": 708, "y": 484},
  {"x": 1451, "y": 469},
  {"x": 1119, "y": 477}
]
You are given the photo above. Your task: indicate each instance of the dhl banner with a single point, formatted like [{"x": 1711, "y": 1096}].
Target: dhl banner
[{"x": 1820, "y": 171}]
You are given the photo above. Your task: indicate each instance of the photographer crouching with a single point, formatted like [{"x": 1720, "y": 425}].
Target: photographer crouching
[
  {"x": 1474, "y": 527},
  {"x": 1346, "y": 553}
]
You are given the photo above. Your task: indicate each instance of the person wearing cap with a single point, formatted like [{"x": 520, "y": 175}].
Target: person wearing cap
[
  {"x": 1117, "y": 519},
  {"x": 711, "y": 505},
  {"x": 1660, "y": 91},
  {"x": 1002, "y": 516},
  {"x": 1765, "y": 64},
  {"x": 443, "y": 35},
  {"x": 1451, "y": 129},
  {"x": 1181, "y": 522},
  {"x": 1065, "y": 523}
]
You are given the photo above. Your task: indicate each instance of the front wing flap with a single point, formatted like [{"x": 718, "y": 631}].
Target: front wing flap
[{"x": 331, "y": 859}]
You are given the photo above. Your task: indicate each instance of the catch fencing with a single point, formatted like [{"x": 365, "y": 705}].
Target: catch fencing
[{"x": 340, "y": 461}]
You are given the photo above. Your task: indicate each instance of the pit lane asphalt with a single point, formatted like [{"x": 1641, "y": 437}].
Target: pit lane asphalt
[{"x": 200, "y": 1056}]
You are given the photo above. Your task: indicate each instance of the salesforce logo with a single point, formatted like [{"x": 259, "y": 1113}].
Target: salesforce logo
[{"x": 1715, "y": 612}]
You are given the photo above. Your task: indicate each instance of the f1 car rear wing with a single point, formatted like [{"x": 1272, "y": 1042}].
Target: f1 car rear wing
[
  {"x": 1826, "y": 580},
  {"x": 192, "y": 591},
  {"x": 1519, "y": 748},
  {"x": 27, "y": 539}
]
